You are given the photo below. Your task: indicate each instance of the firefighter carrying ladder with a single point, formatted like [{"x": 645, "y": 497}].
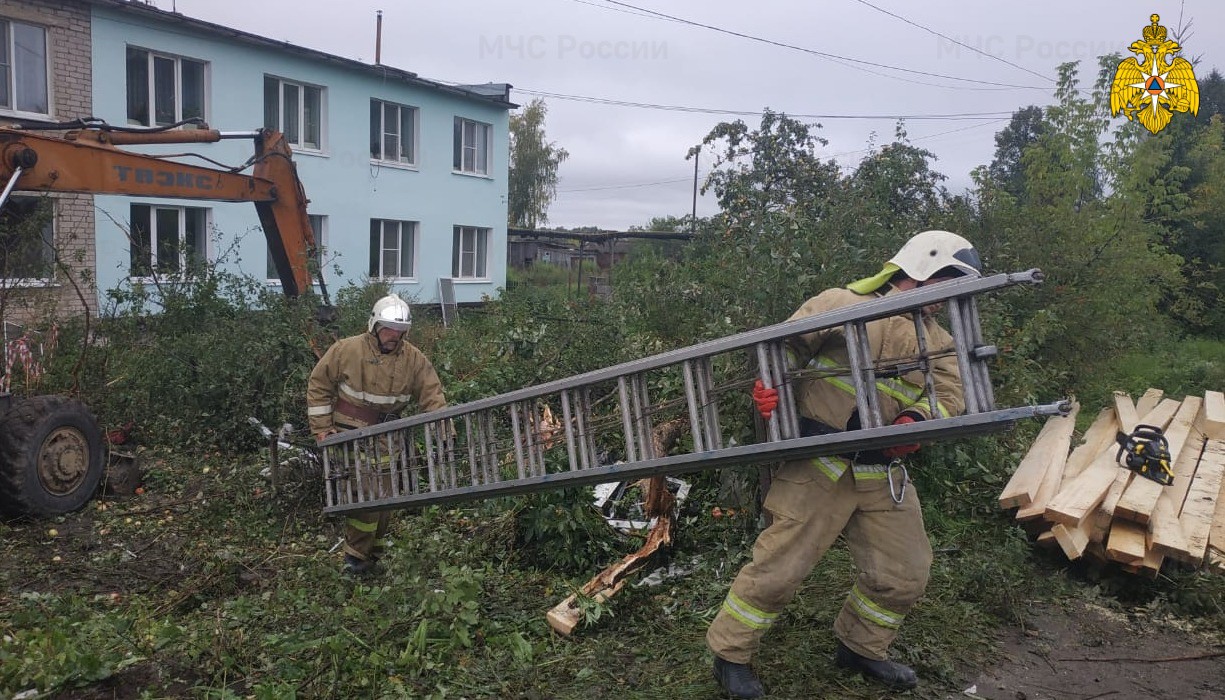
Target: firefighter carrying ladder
[{"x": 510, "y": 444}]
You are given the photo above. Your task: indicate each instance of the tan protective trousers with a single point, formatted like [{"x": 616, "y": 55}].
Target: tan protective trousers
[
  {"x": 364, "y": 532},
  {"x": 886, "y": 539}
]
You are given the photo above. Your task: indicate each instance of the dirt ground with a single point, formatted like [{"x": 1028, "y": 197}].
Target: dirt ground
[{"x": 1089, "y": 652}]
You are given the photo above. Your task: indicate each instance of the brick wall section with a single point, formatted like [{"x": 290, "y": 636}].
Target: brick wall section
[{"x": 69, "y": 45}]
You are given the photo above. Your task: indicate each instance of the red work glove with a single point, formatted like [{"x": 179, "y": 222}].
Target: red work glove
[
  {"x": 765, "y": 398},
  {"x": 901, "y": 450}
]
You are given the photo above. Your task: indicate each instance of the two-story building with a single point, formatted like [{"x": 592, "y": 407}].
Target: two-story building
[{"x": 406, "y": 176}]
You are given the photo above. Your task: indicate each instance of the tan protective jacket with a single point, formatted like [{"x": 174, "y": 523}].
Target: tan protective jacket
[
  {"x": 354, "y": 370},
  {"x": 830, "y": 397}
]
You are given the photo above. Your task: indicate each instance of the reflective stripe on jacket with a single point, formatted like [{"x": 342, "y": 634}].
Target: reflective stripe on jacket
[
  {"x": 355, "y": 370},
  {"x": 829, "y": 397}
]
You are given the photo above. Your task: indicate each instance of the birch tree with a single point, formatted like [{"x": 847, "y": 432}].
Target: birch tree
[{"x": 533, "y": 168}]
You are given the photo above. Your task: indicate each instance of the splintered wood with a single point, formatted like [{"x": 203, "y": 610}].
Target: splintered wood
[{"x": 1075, "y": 494}]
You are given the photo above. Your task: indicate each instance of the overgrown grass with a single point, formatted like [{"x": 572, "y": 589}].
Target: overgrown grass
[{"x": 209, "y": 585}]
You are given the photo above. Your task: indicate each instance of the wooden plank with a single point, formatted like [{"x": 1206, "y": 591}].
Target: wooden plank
[
  {"x": 1046, "y": 539},
  {"x": 1103, "y": 479},
  {"x": 1049, "y": 450},
  {"x": 1197, "y": 512},
  {"x": 1100, "y": 434},
  {"x": 1054, "y": 454},
  {"x": 1151, "y": 566},
  {"x": 1140, "y": 499},
  {"x": 1214, "y": 415},
  {"x": 1166, "y": 533},
  {"x": 1149, "y": 401},
  {"x": 1126, "y": 411},
  {"x": 1126, "y": 543},
  {"x": 1103, "y": 515},
  {"x": 1078, "y": 500},
  {"x": 1216, "y": 536},
  {"x": 1072, "y": 540}
]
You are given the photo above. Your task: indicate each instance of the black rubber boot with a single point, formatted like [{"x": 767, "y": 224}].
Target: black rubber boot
[
  {"x": 359, "y": 567},
  {"x": 737, "y": 680},
  {"x": 890, "y": 673}
]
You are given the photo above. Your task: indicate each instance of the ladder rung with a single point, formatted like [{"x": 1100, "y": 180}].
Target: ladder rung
[{"x": 467, "y": 451}]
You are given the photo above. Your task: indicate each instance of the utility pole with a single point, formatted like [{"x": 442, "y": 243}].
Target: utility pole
[{"x": 693, "y": 219}]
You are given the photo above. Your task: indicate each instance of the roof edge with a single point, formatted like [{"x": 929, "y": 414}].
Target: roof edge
[{"x": 489, "y": 93}]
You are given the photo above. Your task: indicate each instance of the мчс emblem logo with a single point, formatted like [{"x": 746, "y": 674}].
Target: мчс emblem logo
[{"x": 1156, "y": 83}]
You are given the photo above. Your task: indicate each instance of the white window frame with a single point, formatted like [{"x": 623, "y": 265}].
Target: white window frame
[
  {"x": 10, "y": 60},
  {"x": 383, "y": 133},
  {"x": 414, "y": 230},
  {"x": 298, "y": 142},
  {"x": 204, "y": 245},
  {"x": 466, "y": 244},
  {"x": 48, "y": 236},
  {"x": 151, "y": 58},
  {"x": 319, "y": 227},
  {"x": 471, "y": 151}
]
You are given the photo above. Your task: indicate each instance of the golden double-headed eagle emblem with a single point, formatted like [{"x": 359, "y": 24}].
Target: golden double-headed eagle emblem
[{"x": 1156, "y": 83}]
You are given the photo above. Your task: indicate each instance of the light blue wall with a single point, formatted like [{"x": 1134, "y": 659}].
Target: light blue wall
[{"x": 342, "y": 183}]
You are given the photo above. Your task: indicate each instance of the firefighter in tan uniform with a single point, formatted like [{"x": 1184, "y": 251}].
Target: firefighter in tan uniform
[
  {"x": 860, "y": 496},
  {"x": 363, "y": 380}
]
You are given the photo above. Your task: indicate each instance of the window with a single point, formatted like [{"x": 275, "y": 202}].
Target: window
[
  {"x": 295, "y": 110},
  {"x": 319, "y": 229},
  {"x": 27, "y": 238},
  {"x": 393, "y": 249},
  {"x": 163, "y": 89},
  {"x": 167, "y": 240},
  {"x": 471, "y": 147},
  {"x": 393, "y": 132},
  {"x": 470, "y": 252},
  {"x": 23, "y": 68}
]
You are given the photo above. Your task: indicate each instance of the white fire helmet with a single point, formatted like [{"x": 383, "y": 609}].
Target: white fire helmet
[
  {"x": 390, "y": 312},
  {"x": 930, "y": 252}
]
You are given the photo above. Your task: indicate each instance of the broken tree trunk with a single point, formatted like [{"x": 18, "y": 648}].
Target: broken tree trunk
[{"x": 566, "y": 615}]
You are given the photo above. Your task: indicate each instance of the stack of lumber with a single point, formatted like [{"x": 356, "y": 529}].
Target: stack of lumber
[{"x": 1072, "y": 493}]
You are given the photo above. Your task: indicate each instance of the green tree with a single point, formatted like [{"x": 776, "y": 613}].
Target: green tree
[
  {"x": 534, "y": 161},
  {"x": 1027, "y": 126},
  {"x": 1081, "y": 218},
  {"x": 895, "y": 193}
]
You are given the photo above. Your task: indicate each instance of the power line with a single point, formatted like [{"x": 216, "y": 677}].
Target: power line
[
  {"x": 857, "y": 63},
  {"x": 927, "y": 136},
  {"x": 955, "y": 41},
  {"x": 629, "y": 186},
  {"x": 748, "y": 113},
  {"x": 834, "y": 155}
]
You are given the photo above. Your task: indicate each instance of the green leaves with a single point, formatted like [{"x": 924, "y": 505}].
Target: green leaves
[{"x": 532, "y": 182}]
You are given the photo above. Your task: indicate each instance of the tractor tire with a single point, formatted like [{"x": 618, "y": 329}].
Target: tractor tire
[{"x": 51, "y": 457}]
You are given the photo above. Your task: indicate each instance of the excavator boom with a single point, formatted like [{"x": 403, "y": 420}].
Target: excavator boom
[{"x": 88, "y": 161}]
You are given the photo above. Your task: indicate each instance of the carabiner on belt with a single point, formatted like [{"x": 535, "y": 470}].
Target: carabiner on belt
[{"x": 895, "y": 492}]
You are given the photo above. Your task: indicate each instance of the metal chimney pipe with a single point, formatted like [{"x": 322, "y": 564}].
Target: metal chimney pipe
[{"x": 378, "y": 38}]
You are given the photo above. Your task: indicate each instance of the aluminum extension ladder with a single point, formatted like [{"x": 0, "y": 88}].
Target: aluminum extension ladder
[{"x": 512, "y": 443}]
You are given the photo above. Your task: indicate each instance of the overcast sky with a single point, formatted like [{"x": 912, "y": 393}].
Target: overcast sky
[{"x": 833, "y": 58}]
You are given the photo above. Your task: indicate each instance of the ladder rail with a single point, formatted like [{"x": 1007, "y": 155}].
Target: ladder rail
[
  {"x": 867, "y": 311},
  {"x": 506, "y": 445},
  {"x": 835, "y": 443}
]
